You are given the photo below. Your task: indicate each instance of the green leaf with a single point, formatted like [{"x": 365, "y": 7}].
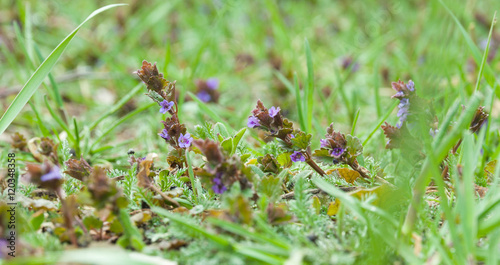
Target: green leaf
[
  {"x": 354, "y": 146},
  {"x": 301, "y": 140},
  {"x": 40, "y": 73},
  {"x": 270, "y": 186},
  {"x": 237, "y": 139},
  {"x": 221, "y": 129},
  {"x": 227, "y": 145},
  {"x": 92, "y": 222}
]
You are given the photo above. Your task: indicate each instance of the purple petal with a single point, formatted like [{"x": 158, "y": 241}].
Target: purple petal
[
  {"x": 253, "y": 122},
  {"x": 213, "y": 83},
  {"x": 54, "y": 173},
  {"x": 274, "y": 111},
  {"x": 204, "y": 96}
]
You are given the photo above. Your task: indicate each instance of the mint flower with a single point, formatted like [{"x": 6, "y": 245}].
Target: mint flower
[
  {"x": 166, "y": 106},
  {"x": 164, "y": 134},
  {"x": 218, "y": 187},
  {"x": 297, "y": 156},
  {"x": 274, "y": 111},
  {"x": 54, "y": 173},
  {"x": 336, "y": 152},
  {"x": 253, "y": 122},
  {"x": 185, "y": 140},
  {"x": 324, "y": 143},
  {"x": 212, "y": 83},
  {"x": 204, "y": 96}
]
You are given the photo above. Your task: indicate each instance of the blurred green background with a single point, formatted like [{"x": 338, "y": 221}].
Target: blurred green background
[{"x": 358, "y": 48}]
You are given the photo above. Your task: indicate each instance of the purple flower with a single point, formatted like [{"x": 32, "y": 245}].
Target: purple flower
[
  {"x": 324, "y": 143},
  {"x": 274, "y": 111},
  {"x": 213, "y": 83},
  {"x": 433, "y": 132},
  {"x": 54, "y": 173},
  {"x": 253, "y": 122},
  {"x": 204, "y": 96},
  {"x": 404, "y": 108},
  {"x": 164, "y": 134},
  {"x": 336, "y": 152},
  {"x": 218, "y": 187},
  {"x": 166, "y": 106},
  {"x": 291, "y": 136},
  {"x": 185, "y": 140},
  {"x": 297, "y": 157},
  {"x": 410, "y": 86}
]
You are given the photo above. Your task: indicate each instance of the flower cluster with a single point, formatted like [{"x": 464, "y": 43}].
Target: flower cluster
[
  {"x": 163, "y": 92},
  {"x": 221, "y": 171},
  {"x": 296, "y": 142},
  {"x": 403, "y": 93},
  {"x": 335, "y": 143},
  {"x": 206, "y": 90},
  {"x": 270, "y": 120}
]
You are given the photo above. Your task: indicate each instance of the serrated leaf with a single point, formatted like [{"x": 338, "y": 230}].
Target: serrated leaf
[
  {"x": 353, "y": 145},
  {"x": 301, "y": 140},
  {"x": 490, "y": 168},
  {"x": 322, "y": 156},
  {"x": 270, "y": 186},
  {"x": 284, "y": 159}
]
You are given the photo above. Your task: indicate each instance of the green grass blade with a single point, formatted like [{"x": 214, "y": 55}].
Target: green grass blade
[
  {"x": 212, "y": 114},
  {"x": 299, "y": 102},
  {"x": 40, "y": 73},
  {"x": 391, "y": 108},
  {"x": 355, "y": 122},
  {"x": 309, "y": 95}
]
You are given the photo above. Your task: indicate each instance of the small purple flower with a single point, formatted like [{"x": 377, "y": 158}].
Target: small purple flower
[
  {"x": 324, "y": 143},
  {"x": 54, "y": 173},
  {"x": 336, "y": 152},
  {"x": 291, "y": 136},
  {"x": 166, "y": 106},
  {"x": 213, "y": 83},
  {"x": 218, "y": 187},
  {"x": 274, "y": 111},
  {"x": 297, "y": 157},
  {"x": 185, "y": 140},
  {"x": 404, "y": 108},
  {"x": 204, "y": 96},
  {"x": 410, "y": 85},
  {"x": 253, "y": 122},
  {"x": 164, "y": 134}
]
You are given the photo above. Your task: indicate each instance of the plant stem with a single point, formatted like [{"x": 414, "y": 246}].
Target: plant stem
[{"x": 313, "y": 164}]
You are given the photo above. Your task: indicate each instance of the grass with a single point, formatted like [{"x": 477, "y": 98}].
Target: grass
[{"x": 433, "y": 199}]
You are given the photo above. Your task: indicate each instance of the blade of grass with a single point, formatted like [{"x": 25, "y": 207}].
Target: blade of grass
[
  {"x": 309, "y": 91},
  {"x": 59, "y": 120},
  {"x": 381, "y": 120},
  {"x": 355, "y": 121},
  {"x": 191, "y": 177},
  {"x": 300, "y": 108},
  {"x": 120, "y": 121},
  {"x": 207, "y": 110},
  {"x": 40, "y": 73},
  {"x": 117, "y": 106}
]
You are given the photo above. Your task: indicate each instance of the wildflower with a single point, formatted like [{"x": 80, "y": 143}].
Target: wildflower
[
  {"x": 78, "y": 169},
  {"x": 164, "y": 134},
  {"x": 212, "y": 83},
  {"x": 253, "y": 122},
  {"x": 185, "y": 140},
  {"x": 410, "y": 86},
  {"x": 218, "y": 187},
  {"x": 349, "y": 63},
  {"x": 204, "y": 96},
  {"x": 53, "y": 174},
  {"x": 274, "y": 111},
  {"x": 291, "y": 136},
  {"x": 324, "y": 143},
  {"x": 166, "y": 106},
  {"x": 336, "y": 152},
  {"x": 297, "y": 156},
  {"x": 404, "y": 108}
]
